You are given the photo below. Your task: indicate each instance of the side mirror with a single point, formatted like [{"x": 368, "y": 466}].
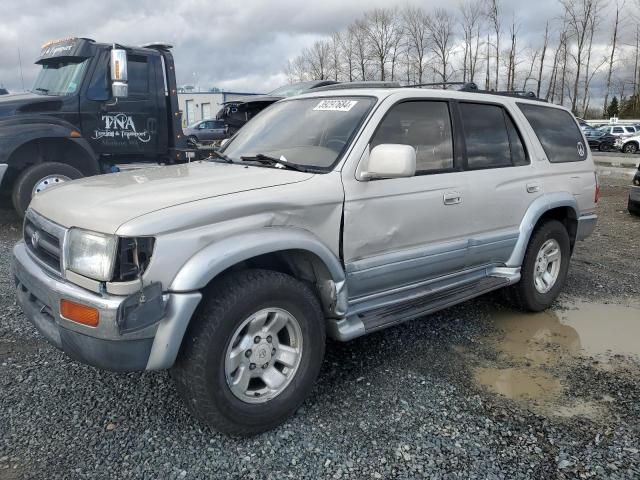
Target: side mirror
[
  {"x": 390, "y": 160},
  {"x": 119, "y": 86}
]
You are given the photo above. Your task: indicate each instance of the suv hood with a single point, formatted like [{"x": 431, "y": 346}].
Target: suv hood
[{"x": 104, "y": 202}]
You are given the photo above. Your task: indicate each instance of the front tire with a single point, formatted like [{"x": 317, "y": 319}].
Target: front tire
[
  {"x": 544, "y": 268},
  {"x": 37, "y": 178},
  {"x": 252, "y": 352}
]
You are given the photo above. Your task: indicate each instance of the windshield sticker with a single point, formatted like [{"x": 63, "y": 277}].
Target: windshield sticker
[{"x": 335, "y": 105}]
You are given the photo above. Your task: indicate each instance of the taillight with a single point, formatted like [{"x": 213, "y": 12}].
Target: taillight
[{"x": 597, "y": 195}]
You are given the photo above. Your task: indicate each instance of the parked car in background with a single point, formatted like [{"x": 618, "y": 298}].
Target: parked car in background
[
  {"x": 618, "y": 130},
  {"x": 598, "y": 139},
  {"x": 634, "y": 195},
  {"x": 208, "y": 130},
  {"x": 628, "y": 143},
  {"x": 236, "y": 113},
  {"x": 4, "y": 91}
]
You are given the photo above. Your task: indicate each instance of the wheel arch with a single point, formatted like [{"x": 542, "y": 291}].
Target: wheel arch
[
  {"x": 296, "y": 252},
  {"x": 557, "y": 206},
  {"x": 34, "y": 149}
]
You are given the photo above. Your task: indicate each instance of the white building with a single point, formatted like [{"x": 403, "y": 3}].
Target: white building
[{"x": 196, "y": 106}]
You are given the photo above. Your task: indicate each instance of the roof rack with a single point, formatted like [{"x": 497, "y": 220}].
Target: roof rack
[
  {"x": 464, "y": 87},
  {"x": 347, "y": 85}
]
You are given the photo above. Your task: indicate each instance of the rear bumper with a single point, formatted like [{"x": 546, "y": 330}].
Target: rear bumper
[
  {"x": 586, "y": 225},
  {"x": 154, "y": 346}
]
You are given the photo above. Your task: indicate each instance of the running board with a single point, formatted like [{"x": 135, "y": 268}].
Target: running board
[{"x": 359, "y": 324}]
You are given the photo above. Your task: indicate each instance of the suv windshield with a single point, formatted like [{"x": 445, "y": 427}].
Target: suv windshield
[
  {"x": 60, "y": 77},
  {"x": 309, "y": 132}
]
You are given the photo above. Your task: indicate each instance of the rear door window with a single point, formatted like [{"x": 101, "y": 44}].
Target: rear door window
[
  {"x": 491, "y": 137},
  {"x": 618, "y": 130},
  {"x": 557, "y": 131}
]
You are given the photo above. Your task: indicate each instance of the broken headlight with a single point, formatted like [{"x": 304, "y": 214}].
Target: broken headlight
[{"x": 134, "y": 255}]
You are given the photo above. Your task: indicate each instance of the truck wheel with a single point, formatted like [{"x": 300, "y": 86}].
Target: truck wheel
[
  {"x": 630, "y": 148},
  {"x": 38, "y": 178},
  {"x": 252, "y": 352},
  {"x": 544, "y": 269}
]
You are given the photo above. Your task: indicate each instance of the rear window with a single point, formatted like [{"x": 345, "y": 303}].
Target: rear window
[{"x": 557, "y": 131}]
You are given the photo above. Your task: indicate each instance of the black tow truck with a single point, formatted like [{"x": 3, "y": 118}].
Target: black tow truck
[{"x": 92, "y": 106}]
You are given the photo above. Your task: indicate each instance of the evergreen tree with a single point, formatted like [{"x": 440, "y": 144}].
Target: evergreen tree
[{"x": 612, "y": 108}]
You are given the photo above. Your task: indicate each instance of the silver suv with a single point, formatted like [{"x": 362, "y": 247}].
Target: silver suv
[{"x": 339, "y": 212}]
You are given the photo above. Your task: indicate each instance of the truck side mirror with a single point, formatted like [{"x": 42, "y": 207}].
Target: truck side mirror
[{"x": 119, "y": 86}]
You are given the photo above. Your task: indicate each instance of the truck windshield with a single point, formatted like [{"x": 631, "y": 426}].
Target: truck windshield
[
  {"x": 60, "y": 77},
  {"x": 311, "y": 132}
]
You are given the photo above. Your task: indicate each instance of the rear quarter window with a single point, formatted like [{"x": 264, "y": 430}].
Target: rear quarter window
[{"x": 557, "y": 131}]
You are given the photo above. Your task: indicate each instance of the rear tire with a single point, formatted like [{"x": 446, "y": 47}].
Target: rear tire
[
  {"x": 202, "y": 374},
  {"x": 605, "y": 147},
  {"x": 44, "y": 175},
  {"x": 530, "y": 293},
  {"x": 630, "y": 148}
]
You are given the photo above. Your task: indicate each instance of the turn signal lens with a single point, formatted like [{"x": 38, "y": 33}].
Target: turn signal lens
[{"x": 79, "y": 313}]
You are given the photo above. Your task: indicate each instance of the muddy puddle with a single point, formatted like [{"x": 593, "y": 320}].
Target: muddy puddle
[{"x": 532, "y": 352}]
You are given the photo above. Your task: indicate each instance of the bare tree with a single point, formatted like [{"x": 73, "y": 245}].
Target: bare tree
[
  {"x": 380, "y": 26},
  {"x": 470, "y": 17},
  {"x": 417, "y": 37},
  {"x": 592, "y": 26},
  {"x": 347, "y": 48},
  {"x": 359, "y": 33},
  {"x": 614, "y": 40},
  {"x": 511, "y": 65},
  {"x": 579, "y": 15},
  {"x": 493, "y": 14},
  {"x": 543, "y": 53},
  {"x": 318, "y": 59},
  {"x": 441, "y": 32}
]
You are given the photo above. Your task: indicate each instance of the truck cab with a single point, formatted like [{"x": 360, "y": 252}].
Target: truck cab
[{"x": 92, "y": 106}]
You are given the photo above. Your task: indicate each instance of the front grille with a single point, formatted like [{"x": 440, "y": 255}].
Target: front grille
[{"x": 43, "y": 239}]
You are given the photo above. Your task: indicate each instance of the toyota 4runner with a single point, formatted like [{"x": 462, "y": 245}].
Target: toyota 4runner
[{"x": 339, "y": 212}]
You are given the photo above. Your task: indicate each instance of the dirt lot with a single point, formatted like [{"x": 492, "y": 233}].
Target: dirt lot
[{"x": 476, "y": 391}]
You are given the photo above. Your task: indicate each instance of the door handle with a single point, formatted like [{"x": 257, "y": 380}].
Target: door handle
[
  {"x": 533, "y": 187},
  {"x": 451, "y": 198}
]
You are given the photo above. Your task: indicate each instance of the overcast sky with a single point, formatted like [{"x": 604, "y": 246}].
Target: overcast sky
[{"x": 237, "y": 46}]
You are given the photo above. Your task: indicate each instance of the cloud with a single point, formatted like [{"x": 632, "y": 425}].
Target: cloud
[{"x": 240, "y": 45}]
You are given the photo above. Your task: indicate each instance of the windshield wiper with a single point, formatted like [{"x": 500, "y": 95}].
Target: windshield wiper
[
  {"x": 275, "y": 162},
  {"x": 221, "y": 156},
  {"x": 43, "y": 90}
]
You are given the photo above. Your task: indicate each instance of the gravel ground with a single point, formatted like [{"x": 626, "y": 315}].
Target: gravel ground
[{"x": 401, "y": 403}]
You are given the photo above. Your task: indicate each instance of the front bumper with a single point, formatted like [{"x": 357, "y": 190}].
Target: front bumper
[
  {"x": 152, "y": 347},
  {"x": 586, "y": 225}
]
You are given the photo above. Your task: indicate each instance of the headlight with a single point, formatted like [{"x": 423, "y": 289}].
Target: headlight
[{"x": 90, "y": 254}]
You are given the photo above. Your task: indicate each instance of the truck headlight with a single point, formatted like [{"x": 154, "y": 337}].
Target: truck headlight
[{"x": 90, "y": 254}]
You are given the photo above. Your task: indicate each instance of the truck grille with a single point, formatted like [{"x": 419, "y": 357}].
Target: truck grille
[{"x": 44, "y": 239}]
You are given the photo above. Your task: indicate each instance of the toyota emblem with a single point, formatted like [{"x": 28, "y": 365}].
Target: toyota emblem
[{"x": 35, "y": 239}]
